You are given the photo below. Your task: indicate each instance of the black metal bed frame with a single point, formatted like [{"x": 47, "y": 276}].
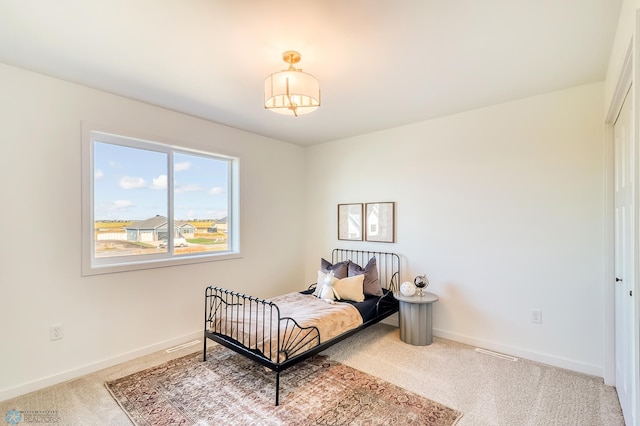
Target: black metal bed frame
[{"x": 220, "y": 303}]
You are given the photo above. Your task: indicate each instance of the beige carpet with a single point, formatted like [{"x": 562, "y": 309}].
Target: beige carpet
[
  {"x": 233, "y": 390},
  {"x": 487, "y": 390}
]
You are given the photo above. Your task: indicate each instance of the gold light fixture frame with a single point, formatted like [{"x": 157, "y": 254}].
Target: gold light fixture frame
[{"x": 291, "y": 91}]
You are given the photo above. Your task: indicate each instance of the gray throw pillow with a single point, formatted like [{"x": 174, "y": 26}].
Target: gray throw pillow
[
  {"x": 371, "y": 285},
  {"x": 340, "y": 269}
]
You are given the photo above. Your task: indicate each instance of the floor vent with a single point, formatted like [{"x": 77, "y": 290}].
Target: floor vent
[
  {"x": 496, "y": 354},
  {"x": 184, "y": 345}
]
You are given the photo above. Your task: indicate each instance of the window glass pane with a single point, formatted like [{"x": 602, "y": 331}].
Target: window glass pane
[
  {"x": 201, "y": 203},
  {"x": 130, "y": 200},
  {"x": 150, "y": 205}
]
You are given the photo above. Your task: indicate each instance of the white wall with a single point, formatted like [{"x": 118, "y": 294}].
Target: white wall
[
  {"x": 501, "y": 207},
  {"x": 113, "y": 317}
]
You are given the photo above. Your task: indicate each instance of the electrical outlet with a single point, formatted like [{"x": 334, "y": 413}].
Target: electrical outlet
[
  {"x": 536, "y": 316},
  {"x": 56, "y": 332}
]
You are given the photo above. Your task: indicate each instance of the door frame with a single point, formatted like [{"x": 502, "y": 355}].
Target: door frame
[
  {"x": 625, "y": 81},
  {"x": 629, "y": 77}
]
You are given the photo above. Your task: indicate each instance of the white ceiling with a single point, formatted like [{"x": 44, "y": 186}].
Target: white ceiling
[{"x": 381, "y": 63}]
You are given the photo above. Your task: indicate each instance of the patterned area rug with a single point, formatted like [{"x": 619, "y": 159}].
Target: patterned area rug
[{"x": 230, "y": 389}]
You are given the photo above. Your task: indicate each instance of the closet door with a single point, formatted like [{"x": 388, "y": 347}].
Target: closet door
[{"x": 625, "y": 231}]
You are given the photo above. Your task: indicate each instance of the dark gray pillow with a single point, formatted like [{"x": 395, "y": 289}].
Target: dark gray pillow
[
  {"x": 371, "y": 284},
  {"x": 340, "y": 269}
]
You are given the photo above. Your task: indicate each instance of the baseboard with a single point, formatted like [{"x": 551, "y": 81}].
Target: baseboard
[
  {"x": 35, "y": 385},
  {"x": 542, "y": 358},
  {"x": 568, "y": 364},
  {"x": 391, "y": 320}
]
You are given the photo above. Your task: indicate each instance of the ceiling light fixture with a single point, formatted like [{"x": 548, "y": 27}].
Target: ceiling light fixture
[{"x": 291, "y": 91}]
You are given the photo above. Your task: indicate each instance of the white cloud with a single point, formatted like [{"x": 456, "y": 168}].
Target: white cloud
[
  {"x": 180, "y": 167},
  {"x": 119, "y": 205},
  {"x": 160, "y": 182},
  {"x": 188, "y": 188},
  {"x": 98, "y": 174},
  {"x": 216, "y": 190},
  {"x": 131, "y": 182}
]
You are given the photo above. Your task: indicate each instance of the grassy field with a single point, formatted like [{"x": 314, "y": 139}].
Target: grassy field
[
  {"x": 111, "y": 226},
  {"x": 199, "y": 224},
  {"x": 209, "y": 241}
]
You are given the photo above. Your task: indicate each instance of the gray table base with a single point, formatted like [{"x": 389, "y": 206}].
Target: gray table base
[{"x": 415, "y": 323}]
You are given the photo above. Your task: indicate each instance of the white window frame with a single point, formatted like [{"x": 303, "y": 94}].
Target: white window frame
[{"x": 94, "y": 266}]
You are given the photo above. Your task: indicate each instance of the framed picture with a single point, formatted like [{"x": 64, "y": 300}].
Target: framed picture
[
  {"x": 350, "y": 222},
  {"x": 380, "y": 222}
]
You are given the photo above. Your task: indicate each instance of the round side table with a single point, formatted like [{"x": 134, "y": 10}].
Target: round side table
[{"x": 415, "y": 318}]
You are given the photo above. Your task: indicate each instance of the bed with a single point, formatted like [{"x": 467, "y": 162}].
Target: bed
[{"x": 285, "y": 330}]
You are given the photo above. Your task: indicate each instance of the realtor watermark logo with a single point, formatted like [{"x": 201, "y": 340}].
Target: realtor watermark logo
[{"x": 15, "y": 417}]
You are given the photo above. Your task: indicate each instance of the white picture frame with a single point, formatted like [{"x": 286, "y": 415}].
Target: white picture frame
[
  {"x": 350, "y": 221},
  {"x": 380, "y": 222}
]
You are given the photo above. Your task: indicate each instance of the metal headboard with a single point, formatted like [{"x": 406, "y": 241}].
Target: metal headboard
[{"x": 388, "y": 264}]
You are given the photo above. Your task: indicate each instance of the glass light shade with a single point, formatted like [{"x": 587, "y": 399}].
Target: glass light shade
[{"x": 291, "y": 92}]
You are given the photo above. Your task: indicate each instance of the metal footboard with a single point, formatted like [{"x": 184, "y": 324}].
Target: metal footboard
[{"x": 253, "y": 327}]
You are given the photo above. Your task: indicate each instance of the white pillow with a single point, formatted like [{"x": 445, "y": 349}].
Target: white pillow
[
  {"x": 350, "y": 288},
  {"x": 324, "y": 278}
]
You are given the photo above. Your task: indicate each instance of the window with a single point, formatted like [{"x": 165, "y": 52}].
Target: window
[{"x": 147, "y": 204}]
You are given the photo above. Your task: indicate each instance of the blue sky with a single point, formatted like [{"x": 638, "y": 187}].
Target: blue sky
[{"x": 131, "y": 184}]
